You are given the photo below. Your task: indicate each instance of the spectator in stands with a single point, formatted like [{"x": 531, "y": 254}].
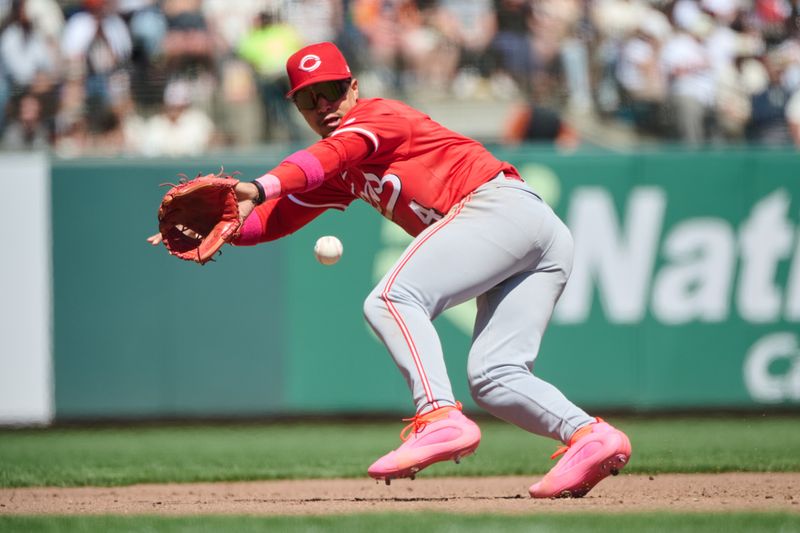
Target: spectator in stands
[
  {"x": 240, "y": 118},
  {"x": 81, "y": 134},
  {"x": 729, "y": 45},
  {"x": 511, "y": 44},
  {"x": 71, "y": 130},
  {"x": 691, "y": 83},
  {"x": 230, "y": 21},
  {"x": 793, "y": 117},
  {"x": 266, "y": 47},
  {"x": 643, "y": 86},
  {"x": 316, "y": 20},
  {"x": 613, "y": 21},
  {"x": 429, "y": 56},
  {"x": 188, "y": 44},
  {"x": 560, "y": 65},
  {"x": 148, "y": 27},
  {"x": 5, "y": 94},
  {"x": 470, "y": 25},
  {"x": 787, "y": 54},
  {"x": 238, "y": 109},
  {"x": 793, "y": 22},
  {"x": 28, "y": 63},
  {"x": 48, "y": 19},
  {"x": 576, "y": 59},
  {"x": 771, "y": 17},
  {"x": 27, "y": 130},
  {"x": 97, "y": 47},
  {"x": 377, "y": 20},
  {"x": 768, "y": 122},
  {"x": 182, "y": 129},
  {"x": 105, "y": 135},
  {"x": 24, "y": 50},
  {"x": 534, "y": 123}
]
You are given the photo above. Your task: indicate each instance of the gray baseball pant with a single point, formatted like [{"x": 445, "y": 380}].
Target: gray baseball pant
[{"x": 504, "y": 246}]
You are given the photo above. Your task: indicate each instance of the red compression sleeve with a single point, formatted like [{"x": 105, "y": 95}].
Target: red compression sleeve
[
  {"x": 274, "y": 219},
  {"x": 307, "y": 169}
]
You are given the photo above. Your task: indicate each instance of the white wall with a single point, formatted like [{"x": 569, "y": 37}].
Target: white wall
[{"x": 26, "y": 384}]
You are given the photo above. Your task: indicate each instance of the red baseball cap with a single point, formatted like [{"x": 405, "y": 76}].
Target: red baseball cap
[{"x": 315, "y": 63}]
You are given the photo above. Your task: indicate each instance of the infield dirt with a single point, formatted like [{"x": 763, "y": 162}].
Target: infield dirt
[{"x": 731, "y": 492}]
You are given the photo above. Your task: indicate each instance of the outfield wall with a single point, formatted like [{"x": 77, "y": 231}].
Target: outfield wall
[{"x": 685, "y": 294}]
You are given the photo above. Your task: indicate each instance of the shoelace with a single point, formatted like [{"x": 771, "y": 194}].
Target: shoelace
[
  {"x": 575, "y": 438},
  {"x": 560, "y": 451},
  {"x": 418, "y": 423}
]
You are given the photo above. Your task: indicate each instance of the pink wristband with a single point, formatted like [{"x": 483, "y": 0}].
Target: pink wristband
[{"x": 271, "y": 185}]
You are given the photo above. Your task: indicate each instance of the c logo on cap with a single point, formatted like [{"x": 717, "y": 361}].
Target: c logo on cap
[{"x": 310, "y": 63}]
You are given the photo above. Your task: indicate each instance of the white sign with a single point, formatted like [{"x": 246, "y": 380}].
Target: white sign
[
  {"x": 698, "y": 281},
  {"x": 26, "y": 390}
]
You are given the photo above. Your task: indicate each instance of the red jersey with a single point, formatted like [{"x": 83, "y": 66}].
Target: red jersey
[{"x": 407, "y": 166}]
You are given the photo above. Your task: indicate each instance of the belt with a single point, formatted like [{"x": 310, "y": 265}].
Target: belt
[
  {"x": 503, "y": 176},
  {"x": 515, "y": 178}
]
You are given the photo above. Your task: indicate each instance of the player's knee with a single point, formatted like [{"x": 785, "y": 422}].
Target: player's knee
[
  {"x": 383, "y": 308},
  {"x": 478, "y": 380},
  {"x": 480, "y": 391},
  {"x": 374, "y": 309},
  {"x": 377, "y": 307}
]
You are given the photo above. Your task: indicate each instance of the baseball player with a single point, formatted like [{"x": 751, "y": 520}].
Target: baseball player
[{"x": 480, "y": 232}]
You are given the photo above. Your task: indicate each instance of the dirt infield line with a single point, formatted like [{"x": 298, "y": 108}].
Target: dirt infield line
[{"x": 730, "y": 492}]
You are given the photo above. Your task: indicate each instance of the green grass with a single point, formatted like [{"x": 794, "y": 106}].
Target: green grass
[
  {"x": 120, "y": 456},
  {"x": 427, "y": 522}
]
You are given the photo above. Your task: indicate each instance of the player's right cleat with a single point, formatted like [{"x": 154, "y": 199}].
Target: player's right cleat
[
  {"x": 443, "y": 434},
  {"x": 594, "y": 452}
]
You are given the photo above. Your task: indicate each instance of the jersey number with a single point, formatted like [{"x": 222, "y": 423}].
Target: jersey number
[
  {"x": 374, "y": 187},
  {"x": 427, "y": 215}
]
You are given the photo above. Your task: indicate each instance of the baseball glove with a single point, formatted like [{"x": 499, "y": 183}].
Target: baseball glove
[{"x": 198, "y": 216}]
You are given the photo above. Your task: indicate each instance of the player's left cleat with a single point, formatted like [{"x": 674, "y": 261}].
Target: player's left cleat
[
  {"x": 443, "y": 434},
  {"x": 594, "y": 452}
]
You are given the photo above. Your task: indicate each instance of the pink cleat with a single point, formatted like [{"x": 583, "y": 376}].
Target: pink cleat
[
  {"x": 594, "y": 452},
  {"x": 439, "y": 435}
]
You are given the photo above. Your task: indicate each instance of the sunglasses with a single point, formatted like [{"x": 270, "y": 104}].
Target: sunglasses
[{"x": 307, "y": 98}]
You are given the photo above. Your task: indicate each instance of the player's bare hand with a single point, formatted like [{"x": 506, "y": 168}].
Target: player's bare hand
[
  {"x": 246, "y": 194},
  {"x": 156, "y": 239}
]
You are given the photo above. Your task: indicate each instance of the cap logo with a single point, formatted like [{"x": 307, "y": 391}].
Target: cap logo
[{"x": 310, "y": 63}]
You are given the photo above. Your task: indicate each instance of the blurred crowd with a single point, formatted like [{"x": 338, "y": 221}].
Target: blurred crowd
[{"x": 177, "y": 77}]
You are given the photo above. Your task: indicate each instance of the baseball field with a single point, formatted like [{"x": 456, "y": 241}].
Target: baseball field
[{"x": 700, "y": 473}]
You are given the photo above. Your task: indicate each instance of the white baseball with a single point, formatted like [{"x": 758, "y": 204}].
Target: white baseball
[{"x": 328, "y": 250}]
